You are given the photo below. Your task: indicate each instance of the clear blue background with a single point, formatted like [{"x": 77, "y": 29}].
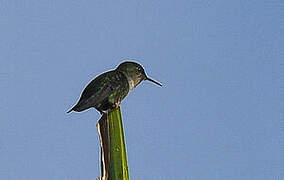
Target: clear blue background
[{"x": 219, "y": 115}]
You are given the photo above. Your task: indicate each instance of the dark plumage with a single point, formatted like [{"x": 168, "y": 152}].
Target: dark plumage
[
  {"x": 100, "y": 92},
  {"x": 107, "y": 90}
]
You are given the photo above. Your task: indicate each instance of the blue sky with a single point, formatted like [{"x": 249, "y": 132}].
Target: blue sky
[{"x": 218, "y": 116}]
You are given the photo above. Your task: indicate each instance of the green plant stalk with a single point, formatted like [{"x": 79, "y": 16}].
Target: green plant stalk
[{"x": 118, "y": 168}]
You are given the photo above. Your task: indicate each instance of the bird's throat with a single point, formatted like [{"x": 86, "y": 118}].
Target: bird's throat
[{"x": 131, "y": 83}]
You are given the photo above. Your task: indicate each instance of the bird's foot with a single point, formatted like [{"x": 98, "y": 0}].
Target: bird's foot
[
  {"x": 114, "y": 106},
  {"x": 117, "y": 105}
]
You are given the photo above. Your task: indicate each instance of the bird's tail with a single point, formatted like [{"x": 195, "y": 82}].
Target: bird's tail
[
  {"x": 74, "y": 108},
  {"x": 70, "y": 110},
  {"x": 78, "y": 108}
]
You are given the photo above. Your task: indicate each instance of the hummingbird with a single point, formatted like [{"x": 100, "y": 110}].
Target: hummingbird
[{"x": 107, "y": 90}]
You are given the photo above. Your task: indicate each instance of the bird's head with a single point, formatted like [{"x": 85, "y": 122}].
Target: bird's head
[{"x": 134, "y": 73}]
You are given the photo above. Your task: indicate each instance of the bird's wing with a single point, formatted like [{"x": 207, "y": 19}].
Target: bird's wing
[{"x": 101, "y": 88}]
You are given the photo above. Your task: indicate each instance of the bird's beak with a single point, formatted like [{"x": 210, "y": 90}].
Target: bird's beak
[{"x": 153, "y": 81}]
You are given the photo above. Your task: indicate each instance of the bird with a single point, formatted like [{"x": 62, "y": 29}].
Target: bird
[{"x": 107, "y": 90}]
